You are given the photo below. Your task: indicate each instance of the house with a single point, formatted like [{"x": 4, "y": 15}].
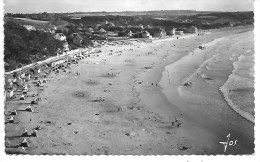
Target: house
[
  {"x": 102, "y": 31},
  {"x": 160, "y": 33},
  {"x": 89, "y": 30},
  {"x": 97, "y": 27},
  {"x": 130, "y": 33},
  {"x": 192, "y": 29},
  {"x": 141, "y": 26},
  {"x": 29, "y": 27},
  {"x": 148, "y": 27},
  {"x": 146, "y": 34},
  {"x": 60, "y": 36},
  {"x": 66, "y": 46},
  {"x": 112, "y": 34},
  {"x": 171, "y": 31},
  {"x": 111, "y": 24},
  {"x": 78, "y": 40},
  {"x": 179, "y": 33}
]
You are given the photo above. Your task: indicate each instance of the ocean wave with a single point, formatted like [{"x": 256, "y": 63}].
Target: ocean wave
[{"x": 239, "y": 88}]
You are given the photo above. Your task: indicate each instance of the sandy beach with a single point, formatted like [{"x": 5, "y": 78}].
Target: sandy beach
[{"x": 142, "y": 87}]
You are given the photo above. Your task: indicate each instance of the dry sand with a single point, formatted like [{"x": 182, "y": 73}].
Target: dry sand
[{"x": 136, "y": 115}]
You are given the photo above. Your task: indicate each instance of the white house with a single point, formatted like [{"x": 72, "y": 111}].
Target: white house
[
  {"x": 66, "y": 46},
  {"x": 179, "y": 33},
  {"x": 146, "y": 34},
  {"x": 29, "y": 27},
  {"x": 60, "y": 36}
]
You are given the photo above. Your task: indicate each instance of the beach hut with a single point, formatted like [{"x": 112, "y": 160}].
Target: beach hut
[
  {"x": 10, "y": 93},
  {"x": 27, "y": 77}
]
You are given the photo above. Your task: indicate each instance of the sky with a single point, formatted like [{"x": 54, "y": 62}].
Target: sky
[{"x": 35, "y": 6}]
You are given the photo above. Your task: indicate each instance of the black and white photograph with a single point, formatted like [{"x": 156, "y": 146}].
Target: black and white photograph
[{"x": 129, "y": 77}]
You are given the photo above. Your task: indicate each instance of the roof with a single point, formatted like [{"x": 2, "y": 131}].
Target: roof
[
  {"x": 145, "y": 32},
  {"x": 60, "y": 34},
  {"x": 78, "y": 36},
  {"x": 102, "y": 30}
]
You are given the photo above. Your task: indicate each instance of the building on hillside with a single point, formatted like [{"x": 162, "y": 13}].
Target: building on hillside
[
  {"x": 60, "y": 37},
  {"x": 78, "y": 40},
  {"x": 66, "y": 46},
  {"x": 160, "y": 33},
  {"x": 179, "y": 32},
  {"x": 146, "y": 34},
  {"x": 141, "y": 26},
  {"x": 89, "y": 30},
  {"x": 171, "y": 31},
  {"x": 98, "y": 27},
  {"x": 29, "y": 27},
  {"x": 102, "y": 31},
  {"x": 192, "y": 29},
  {"x": 130, "y": 33}
]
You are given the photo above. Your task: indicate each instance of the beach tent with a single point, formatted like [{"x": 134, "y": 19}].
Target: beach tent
[
  {"x": 33, "y": 134},
  {"x": 25, "y": 133},
  {"x": 24, "y": 143},
  {"x": 33, "y": 101},
  {"x": 14, "y": 112},
  {"x": 22, "y": 97},
  {"x": 25, "y": 88},
  {"x": 27, "y": 77},
  {"x": 10, "y": 93},
  {"x": 11, "y": 119}
]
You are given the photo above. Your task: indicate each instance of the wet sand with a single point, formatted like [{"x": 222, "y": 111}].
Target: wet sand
[{"x": 136, "y": 114}]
